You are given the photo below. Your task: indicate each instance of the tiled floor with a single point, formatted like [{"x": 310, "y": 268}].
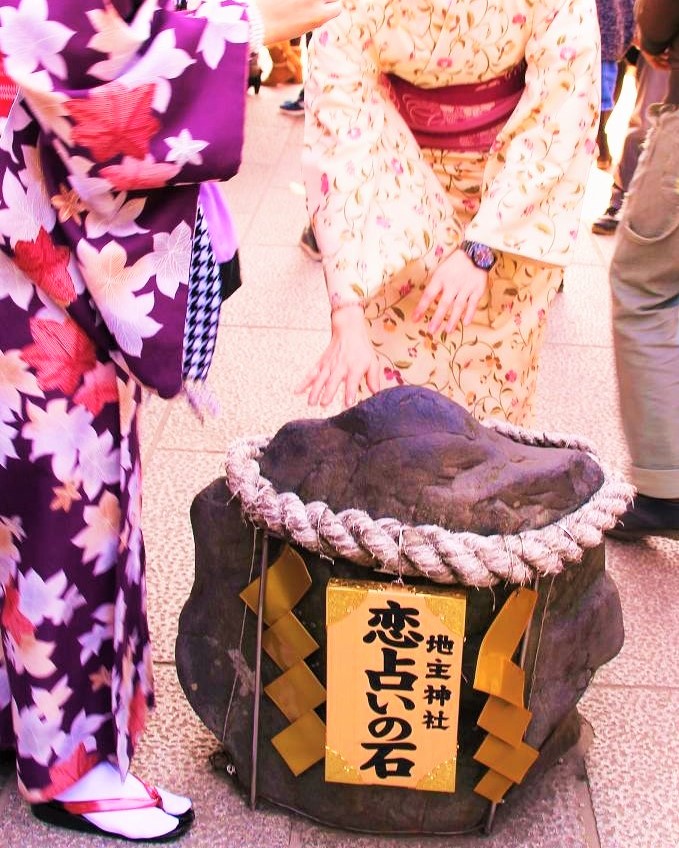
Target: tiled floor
[{"x": 623, "y": 793}]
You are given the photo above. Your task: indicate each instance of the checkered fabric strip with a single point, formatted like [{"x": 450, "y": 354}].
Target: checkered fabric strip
[{"x": 204, "y": 302}]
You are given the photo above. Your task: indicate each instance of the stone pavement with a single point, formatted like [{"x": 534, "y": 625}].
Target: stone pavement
[{"x": 622, "y": 791}]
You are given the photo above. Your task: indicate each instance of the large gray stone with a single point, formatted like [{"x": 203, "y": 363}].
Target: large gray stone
[
  {"x": 411, "y": 454},
  {"x": 414, "y": 456}
]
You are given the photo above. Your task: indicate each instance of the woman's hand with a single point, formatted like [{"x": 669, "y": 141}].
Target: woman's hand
[
  {"x": 347, "y": 359},
  {"x": 456, "y": 286},
  {"x": 285, "y": 19}
]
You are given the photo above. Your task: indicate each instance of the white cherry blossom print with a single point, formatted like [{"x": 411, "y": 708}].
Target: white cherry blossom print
[
  {"x": 113, "y": 216},
  {"x": 184, "y": 148},
  {"x": 48, "y": 107},
  {"x": 171, "y": 258},
  {"x": 40, "y": 599},
  {"x": 73, "y": 600},
  {"x": 8, "y": 434},
  {"x": 31, "y": 655},
  {"x": 98, "y": 462},
  {"x": 57, "y": 431},
  {"x": 35, "y": 733},
  {"x": 17, "y": 120},
  {"x": 92, "y": 640},
  {"x": 163, "y": 61},
  {"x": 99, "y": 538},
  {"x": 127, "y": 394},
  {"x": 104, "y": 614},
  {"x": 50, "y": 701},
  {"x": 146, "y": 670},
  {"x": 11, "y": 531},
  {"x": 114, "y": 37},
  {"x": 133, "y": 564},
  {"x": 16, "y": 380},
  {"x": 113, "y": 284},
  {"x": 106, "y": 212},
  {"x": 29, "y": 40},
  {"x": 14, "y": 283},
  {"x": 224, "y": 24},
  {"x": 28, "y": 210},
  {"x": 81, "y": 732},
  {"x": 119, "y": 616}
]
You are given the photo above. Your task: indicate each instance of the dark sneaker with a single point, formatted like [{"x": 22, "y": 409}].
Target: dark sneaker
[
  {"x": 647, "y": 517},
  {"x": 293, "y": 107},
  {"x": 607, "y": 224},
  {"x": 308, "y": 244}
]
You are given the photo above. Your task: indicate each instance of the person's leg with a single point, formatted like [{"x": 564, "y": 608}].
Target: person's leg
[
  {"x": 296, "y": 106},
  {"x": 651, "y": 85},
  {"x": 77, "y": 681},
  {"x": 609, "y": 77},
  {"x": 644, "y": 277}
]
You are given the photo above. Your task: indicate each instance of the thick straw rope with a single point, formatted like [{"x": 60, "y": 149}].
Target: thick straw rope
[{"x": 440, "y": 555}]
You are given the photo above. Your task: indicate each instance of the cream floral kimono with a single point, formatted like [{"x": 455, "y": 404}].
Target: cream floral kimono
[{"x": 386, "y": 212}]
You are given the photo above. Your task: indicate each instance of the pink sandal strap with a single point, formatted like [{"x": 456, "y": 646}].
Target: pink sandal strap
[{"x": 114, "y": 805}]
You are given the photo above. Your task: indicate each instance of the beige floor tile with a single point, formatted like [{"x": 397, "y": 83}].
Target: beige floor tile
[
  {"x": 282, "y": 287},
  {"x": 647, "y": 578},
  {"x": 577, "y": 394},
  {"x": 280, "y": 218},
  {"x": 605, "y": 245},
  {"x": 580, "y": 315},
  {"x": 245, "y": 191},
  {"x": 633, "y": 765},
  {"x": 172, "y": 480},
  {"x": 254, "y": 377}
]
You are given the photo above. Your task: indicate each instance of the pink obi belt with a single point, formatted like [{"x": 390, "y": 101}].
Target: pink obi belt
[{"x": 458, "y": 117}]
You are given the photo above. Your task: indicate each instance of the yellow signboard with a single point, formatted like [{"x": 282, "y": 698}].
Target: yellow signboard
[{"x": 394, "y": 666}]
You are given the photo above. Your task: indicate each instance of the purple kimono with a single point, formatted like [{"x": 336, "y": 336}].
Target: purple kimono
[{"x": 124, "y": 109}]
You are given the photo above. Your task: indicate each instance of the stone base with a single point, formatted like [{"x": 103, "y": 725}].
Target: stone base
[{"x": 578, "y": 627}]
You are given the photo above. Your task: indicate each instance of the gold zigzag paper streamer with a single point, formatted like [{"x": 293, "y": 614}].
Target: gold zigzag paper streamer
[
  {"x": 504, "y": 716},
  {"x": 297, "y": 692}
]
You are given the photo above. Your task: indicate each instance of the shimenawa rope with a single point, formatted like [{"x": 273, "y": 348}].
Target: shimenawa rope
[{"x": 441, "y": 555}]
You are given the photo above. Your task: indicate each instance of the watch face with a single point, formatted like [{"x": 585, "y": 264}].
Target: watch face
[{"x": 480, "y": 254}]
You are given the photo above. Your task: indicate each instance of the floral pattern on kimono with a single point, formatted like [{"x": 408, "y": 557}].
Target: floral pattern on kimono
[
  {"x": 386, "y": 213},
  {"x": 124, "y": 109}
]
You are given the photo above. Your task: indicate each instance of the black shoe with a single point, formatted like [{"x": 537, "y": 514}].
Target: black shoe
[
  {"x": 293, "y": 107},
  {"x": 254, "y": 73},
  {"x": 308, "y": 244},
  {"x": 607, "y": 224},
  {"x": 647, "y": 517}
]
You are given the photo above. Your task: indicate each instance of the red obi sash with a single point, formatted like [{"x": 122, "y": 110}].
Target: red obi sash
[{"x": 458, "y": 117}]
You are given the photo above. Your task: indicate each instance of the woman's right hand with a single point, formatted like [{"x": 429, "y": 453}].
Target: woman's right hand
[
  {"x": 348, "y": 359},
  {"x": 284, "y": 19}
]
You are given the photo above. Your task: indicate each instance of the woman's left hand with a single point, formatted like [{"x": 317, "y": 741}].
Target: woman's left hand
[{"x": 456, "y": 286}]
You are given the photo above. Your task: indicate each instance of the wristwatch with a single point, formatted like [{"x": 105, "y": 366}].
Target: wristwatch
[{"x": 480, "y": 254}]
